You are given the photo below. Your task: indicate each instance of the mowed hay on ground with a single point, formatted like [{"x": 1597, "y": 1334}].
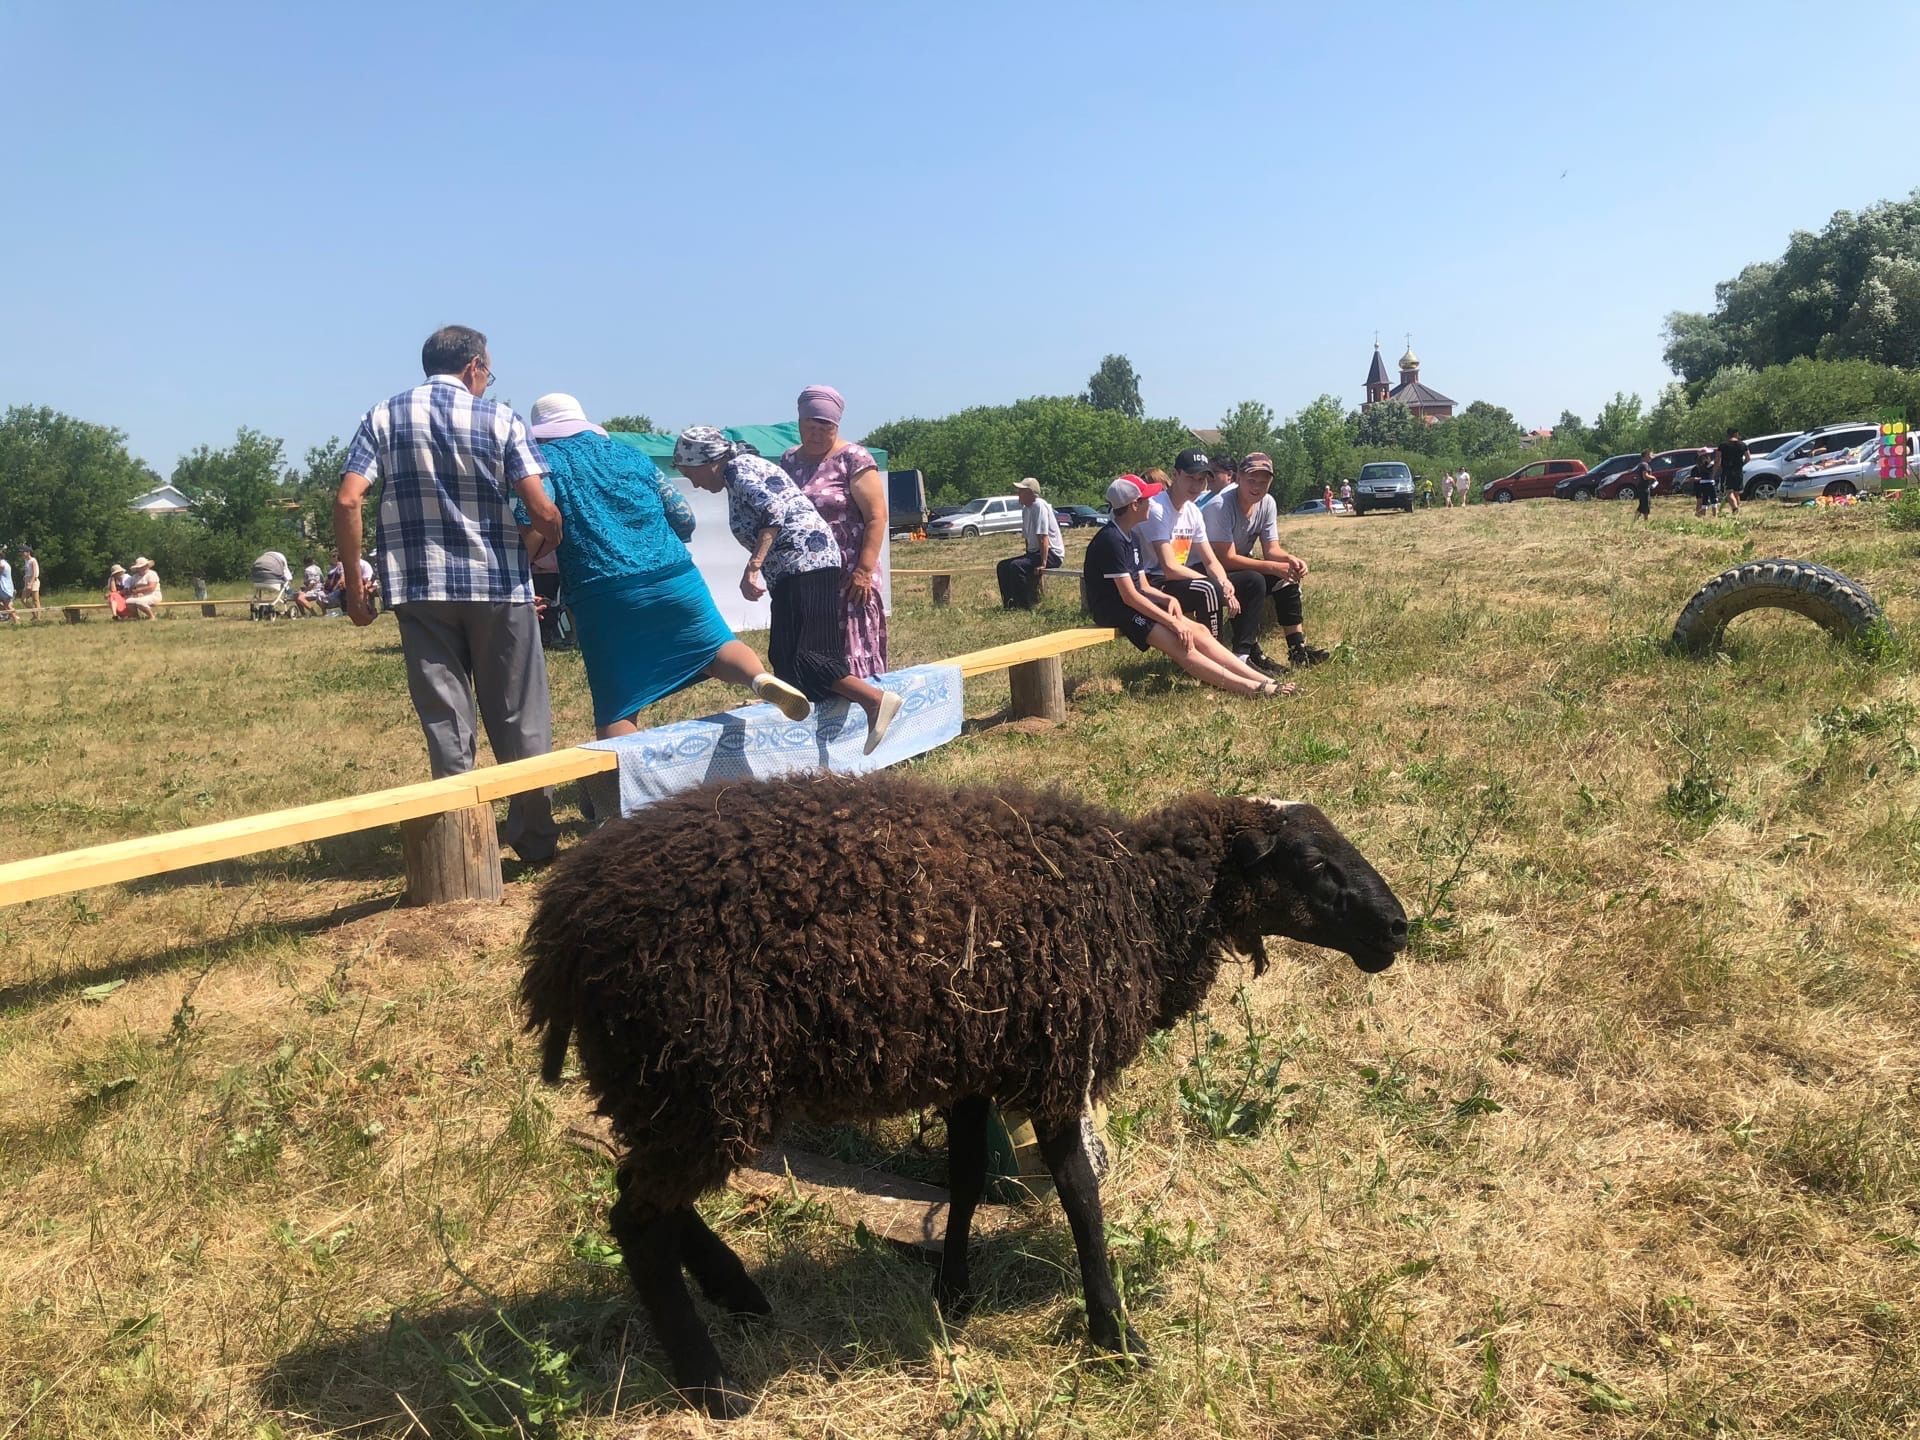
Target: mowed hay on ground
[{"x": 1628, "y": 1144}]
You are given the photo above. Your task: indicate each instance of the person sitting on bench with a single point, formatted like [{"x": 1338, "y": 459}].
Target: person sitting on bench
[
  {"x": 1119, "y": 594},
  {"x": 1020, "y": 574},
  {"x": 143, "y": 591},
  {"x": 1173, "y": 542},
  {"x": 1245, "y": 517}
]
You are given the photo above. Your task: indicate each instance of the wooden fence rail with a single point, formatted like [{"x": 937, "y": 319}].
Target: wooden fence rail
[{"x": 447, "y": 824}]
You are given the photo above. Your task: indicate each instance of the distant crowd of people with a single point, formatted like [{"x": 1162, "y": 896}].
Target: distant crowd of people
[{"x": 313, "y": 591}]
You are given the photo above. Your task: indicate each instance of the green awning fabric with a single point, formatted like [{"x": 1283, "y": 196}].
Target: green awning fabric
[{"x": 772, "y": 441}]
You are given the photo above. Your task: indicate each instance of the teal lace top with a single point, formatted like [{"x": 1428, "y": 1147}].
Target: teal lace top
[{"x": 622, "y": 518}]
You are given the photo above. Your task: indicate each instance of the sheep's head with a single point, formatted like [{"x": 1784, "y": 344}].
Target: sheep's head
[{"x": 1301, "y": 878}]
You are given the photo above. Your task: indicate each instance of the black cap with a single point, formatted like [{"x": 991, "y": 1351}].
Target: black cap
[{"x": 1193, "y": 462}]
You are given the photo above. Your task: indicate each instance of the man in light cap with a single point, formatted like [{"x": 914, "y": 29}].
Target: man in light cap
[
  {"x": 1119, "y": 594},
  {"x": 1243, "y": 518},
  {"x": 1020, "y": 574},
  {"x": 455, "y": 561}
]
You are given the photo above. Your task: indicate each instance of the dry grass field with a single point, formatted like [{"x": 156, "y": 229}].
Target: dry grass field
[{"x": 1627, "y": 1145}]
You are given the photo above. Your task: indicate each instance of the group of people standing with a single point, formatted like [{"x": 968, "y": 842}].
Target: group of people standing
[
  {"x": 471, "y": 496},
  {"x": 28, "y": 593}
]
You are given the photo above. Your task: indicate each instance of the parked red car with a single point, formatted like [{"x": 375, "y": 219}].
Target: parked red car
[
  {"x": 1531, "y": 482},
  {"x": 1667, "y": 467}
]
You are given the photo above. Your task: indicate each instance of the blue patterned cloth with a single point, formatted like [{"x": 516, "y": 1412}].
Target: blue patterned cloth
[
  {"x": 757, "y": 742},
  {"x": 446, "y": 462},
  {"x": 761, "y": 494},
  {"x": 622, "y": 518}
]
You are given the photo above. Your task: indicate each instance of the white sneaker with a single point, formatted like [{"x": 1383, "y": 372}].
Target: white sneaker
[
  {"x": 778, "y": 693},
  {"x": 889, "y": 707}
]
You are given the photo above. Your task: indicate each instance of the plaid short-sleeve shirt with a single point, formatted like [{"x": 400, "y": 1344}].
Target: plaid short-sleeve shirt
[{"x": 446, "y": 462}]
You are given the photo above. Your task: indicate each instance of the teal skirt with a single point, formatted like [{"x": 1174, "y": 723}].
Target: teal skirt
[{"x": 645, "y": 637}]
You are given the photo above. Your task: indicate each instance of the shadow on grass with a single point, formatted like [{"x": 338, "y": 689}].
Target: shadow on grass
[
  {"x": 589, "y": 1350},
  {"x": 208, "y": 952}
]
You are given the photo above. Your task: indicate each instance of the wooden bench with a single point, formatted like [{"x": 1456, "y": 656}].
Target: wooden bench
[
  {"x": 447, "y": 826},
  {"x": 942, "y": 580},
  {"x": 76, "y": 613}
]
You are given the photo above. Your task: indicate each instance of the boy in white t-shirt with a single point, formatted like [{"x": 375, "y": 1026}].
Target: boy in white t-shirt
[{"x": 1173, "y": 543}]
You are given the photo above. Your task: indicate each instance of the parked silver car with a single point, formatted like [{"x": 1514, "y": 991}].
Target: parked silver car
[
  {"x": 1762, "y": 477},
  {"x": 988, "y": 515},
  {"x": 1851, "y": 472}
]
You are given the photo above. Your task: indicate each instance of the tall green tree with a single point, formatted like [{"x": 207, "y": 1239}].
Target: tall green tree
[
  {"x": 316, "y": 484},
  {"x": 1114, "y": 386},
  {"x": 630, "y": 424},
  {"x": 235, "y": 491},
  {"x": 1620, "y": 427},
  {"x": 1246, "y": 428},
  {"x": 1571, "y": 435},
  {"x": 1073, "y": 447},
  {"x": 1481, "y": 430},
  {"x": 1851, "y": 291},
  {"x": 1389, "y": 425},
  {"x": 1322, "y": 427},
  {"x": 65, "y": 485}
]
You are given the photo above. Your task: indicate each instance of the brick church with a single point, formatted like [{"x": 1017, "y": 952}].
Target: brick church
[{"x": 1423, "y": 400}]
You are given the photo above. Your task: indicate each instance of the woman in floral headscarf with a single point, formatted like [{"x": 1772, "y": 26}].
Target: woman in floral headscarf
[
  {"x": 795, "y": 562},
  {"x": 846, "y": 487}
]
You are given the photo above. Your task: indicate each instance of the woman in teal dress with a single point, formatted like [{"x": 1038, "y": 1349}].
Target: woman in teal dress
[{"x": 646, "y": 624}]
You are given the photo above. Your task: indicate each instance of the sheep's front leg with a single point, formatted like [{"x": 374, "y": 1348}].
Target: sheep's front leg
[
  {"x": 966, "y": 1182},
  {"x": 717, "y": 1270},
  {"x": 1079, "y": 1192},
  {"x": 652, "y": 1241}
]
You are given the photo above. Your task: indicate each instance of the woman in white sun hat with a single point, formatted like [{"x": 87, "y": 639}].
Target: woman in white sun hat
[{"x": 646, "y": 624}]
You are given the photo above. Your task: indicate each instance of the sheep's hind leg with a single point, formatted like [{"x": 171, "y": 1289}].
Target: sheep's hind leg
[
  {"x": 966, "y": 1182},
  {"x": 652, "y": 1241},
  {"x": 1079, "y": 1191},
  {"x": 717, "y": 1270}
]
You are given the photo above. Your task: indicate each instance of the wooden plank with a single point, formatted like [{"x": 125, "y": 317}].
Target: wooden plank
[
  {"x": 951, "y": 570},
  {"x": 123, "y": 860},
  {"x": 497, "y": 782},
  {"x": 1039, "y": 647},
  {"x": 904, "y": 1211}
]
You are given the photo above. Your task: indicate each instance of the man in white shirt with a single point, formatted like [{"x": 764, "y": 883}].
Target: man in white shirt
[
  {"x": 1173, "y": 542},
  {"x": 1020, "y": 574},
  {"x": 1244, "y": 518}
]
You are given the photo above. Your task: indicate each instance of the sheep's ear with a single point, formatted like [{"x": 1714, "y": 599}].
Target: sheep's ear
[{"x": 1250, "y": 847}]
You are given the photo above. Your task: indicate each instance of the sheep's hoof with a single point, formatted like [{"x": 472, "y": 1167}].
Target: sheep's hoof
[
  {"x": 721, "y": 1399},
  {"x": 745, "y": 1301},
  {"x": 955, "y": 1299},
  {"x": 1127, "y": 1348}
]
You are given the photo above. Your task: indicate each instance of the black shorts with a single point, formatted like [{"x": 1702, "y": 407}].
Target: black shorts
[{"x": 1136, "y": 628}]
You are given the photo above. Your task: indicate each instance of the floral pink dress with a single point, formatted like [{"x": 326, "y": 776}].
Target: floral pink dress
[{"x": 829, "y": 484}]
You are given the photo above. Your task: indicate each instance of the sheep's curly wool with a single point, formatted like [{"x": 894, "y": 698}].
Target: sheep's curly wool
[{"x": 849, "y": 949}]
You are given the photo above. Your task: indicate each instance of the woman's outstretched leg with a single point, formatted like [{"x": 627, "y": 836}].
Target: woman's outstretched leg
[{"x": 736, "y": 664}]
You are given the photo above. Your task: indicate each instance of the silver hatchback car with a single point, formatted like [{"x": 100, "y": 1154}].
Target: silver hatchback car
[{"x": 989, "y": 515}]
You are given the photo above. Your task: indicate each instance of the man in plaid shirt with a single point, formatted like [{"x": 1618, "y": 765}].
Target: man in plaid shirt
[{"x": 455, "y": 564}]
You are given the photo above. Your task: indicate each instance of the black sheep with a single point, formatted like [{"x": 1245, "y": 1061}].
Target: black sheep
[{"x": 851, "y": 949}]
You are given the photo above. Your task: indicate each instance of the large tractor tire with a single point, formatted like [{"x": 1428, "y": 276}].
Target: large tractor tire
[{"x": 1826, "y": 597}]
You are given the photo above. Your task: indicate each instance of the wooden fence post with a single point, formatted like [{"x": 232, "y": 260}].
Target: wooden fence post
[
  {"x": 209, "y": 610},
  {"x": 454, "y": 856},
  {"x": 942, "y": 591},
  {"x": 1039, "y": 690},
  {"x": 73, "y": 613}
]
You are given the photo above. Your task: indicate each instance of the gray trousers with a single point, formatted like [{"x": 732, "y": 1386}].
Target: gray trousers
[{"x": 457, "y": 648}]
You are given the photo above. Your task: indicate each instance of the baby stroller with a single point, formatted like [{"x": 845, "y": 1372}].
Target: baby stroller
[
  {"x": 272, "y": 595},
  {"x": 556, "y": 624}
]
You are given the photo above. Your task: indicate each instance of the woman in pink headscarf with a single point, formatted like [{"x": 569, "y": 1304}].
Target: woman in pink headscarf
[{"x": 846, "y": 487}]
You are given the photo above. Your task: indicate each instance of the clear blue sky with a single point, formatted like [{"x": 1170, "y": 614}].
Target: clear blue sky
[{"x": 252, "y": 214}]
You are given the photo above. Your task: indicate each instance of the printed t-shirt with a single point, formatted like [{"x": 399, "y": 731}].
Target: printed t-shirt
[{"x": 1178, "y": 528}]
